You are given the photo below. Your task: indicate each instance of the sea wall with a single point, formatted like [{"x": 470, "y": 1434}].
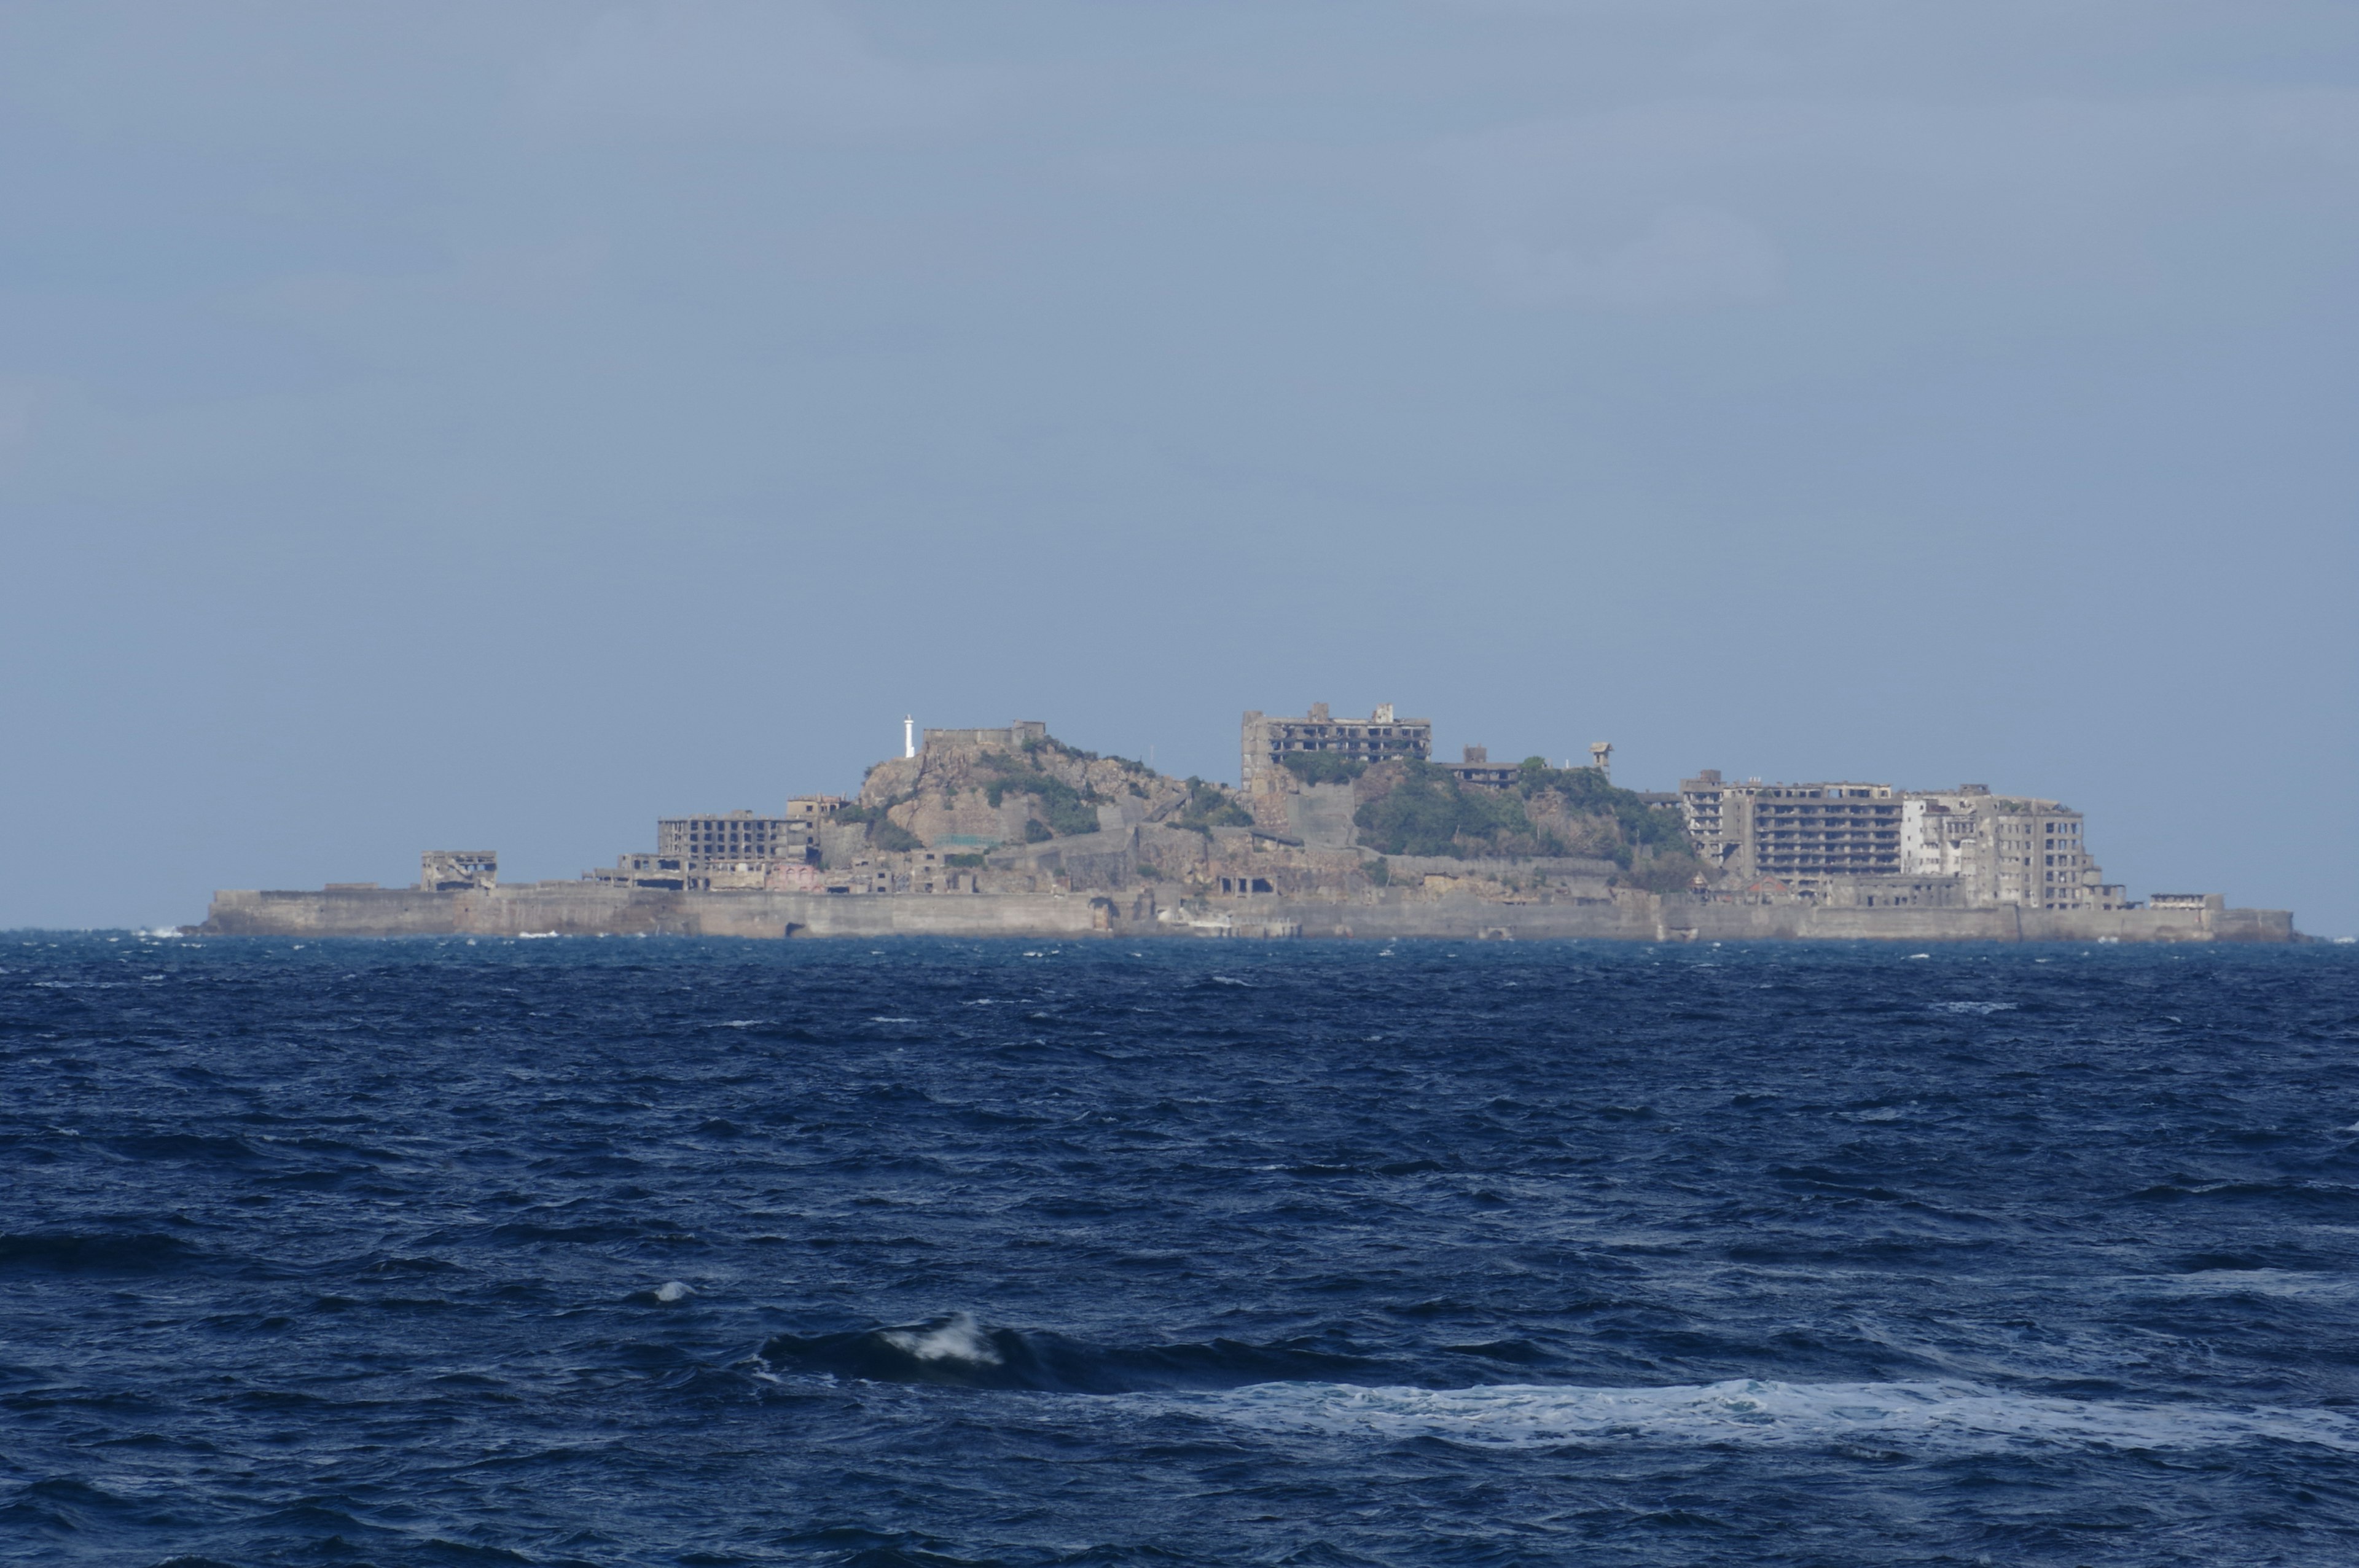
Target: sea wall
[
  {"x": 582, "y": 909},
  {"x": 587, "y": 909}
]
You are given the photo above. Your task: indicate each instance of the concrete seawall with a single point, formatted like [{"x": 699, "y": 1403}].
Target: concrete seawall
[
  {"x": 585, "y": 909},
  {"x": 1647, "y": 919}
]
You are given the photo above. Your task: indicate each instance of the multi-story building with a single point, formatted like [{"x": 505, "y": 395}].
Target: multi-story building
[
  {"x": 731, "y": 836},
  {"x": 1870, "y": 844},
  {"x": 729, "y": 849},
  {"x": 1379, "y": 738},
  {"x": 1798, "y": 835},
  {"x": 2005, "y": 849}
]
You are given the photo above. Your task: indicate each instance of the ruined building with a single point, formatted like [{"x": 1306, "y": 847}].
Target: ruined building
[
  {"x": 2005, "y": 849},
  {"x": 730, "y": 849},
  {"x": 1378, "y": 738},
  {"x": 1870, "y": 845},
  {"x": 456, "y": 870},
  {"x": 1798, "y": 836}
]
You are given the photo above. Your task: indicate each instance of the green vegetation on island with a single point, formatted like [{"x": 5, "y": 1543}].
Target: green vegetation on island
[{"x": 1419, "y": 808}]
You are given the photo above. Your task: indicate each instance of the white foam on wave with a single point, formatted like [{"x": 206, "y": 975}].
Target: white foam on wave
[
  {"x": 2248, "y": 1283},
  {"x": 956, "y": 1338},
  {"x": 1909, "y": 1415},
  {"x": 1983, "y": 1009}
]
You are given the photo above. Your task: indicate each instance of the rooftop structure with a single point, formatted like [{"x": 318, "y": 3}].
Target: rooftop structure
[
  {"x": 1477, "y": 768},
  {"x": 1379, "y": 738},
  {"x": 1014, "y": 738}
]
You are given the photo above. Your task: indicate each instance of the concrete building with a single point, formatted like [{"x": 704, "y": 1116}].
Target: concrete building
[
  {"x": 731, "y": 836},
  {"x": 2004, "y": 850},
  {"x": 1012, "y": 738},
  {"x": 729, "y": 849},
  {"x": 456, "y": 870},
  {"x": 1477, "y": 768},
  {"x": 1871, "y": 845},
  {"x": 1800, "y": 836},
  {"x": 805, "y": 813},
  {"x": 1379, "y": 738}
]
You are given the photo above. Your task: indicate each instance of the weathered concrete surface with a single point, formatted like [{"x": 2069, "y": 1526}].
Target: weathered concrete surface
[
  {"x": 584, "y": 909},
  {"x": 1647, "y": 918}
]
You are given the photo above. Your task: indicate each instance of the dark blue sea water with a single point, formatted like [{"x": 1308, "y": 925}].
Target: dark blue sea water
[{"x": 660, "y": 1251}]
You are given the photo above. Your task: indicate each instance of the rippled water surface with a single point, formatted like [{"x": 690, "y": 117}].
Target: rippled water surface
[{"x": 676, "y": 1252}]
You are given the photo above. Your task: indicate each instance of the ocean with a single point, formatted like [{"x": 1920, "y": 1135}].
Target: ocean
[{"x": 662, "y": 1251}]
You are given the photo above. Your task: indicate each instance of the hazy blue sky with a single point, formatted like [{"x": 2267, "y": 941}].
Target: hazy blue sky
[{"x": 457, "y": 425}]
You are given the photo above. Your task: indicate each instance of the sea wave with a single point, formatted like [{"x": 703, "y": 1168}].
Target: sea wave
[
  {"x": 957, "y": 1351},
  {"x": 1758, "y": 1412}
]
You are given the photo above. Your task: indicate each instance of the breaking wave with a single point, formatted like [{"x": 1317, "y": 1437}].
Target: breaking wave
[{"x": 957, "y": 1351}]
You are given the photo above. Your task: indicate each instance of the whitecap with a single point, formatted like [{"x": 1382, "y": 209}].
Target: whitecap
[
  {"x": 1759, "y": 1412},
  {"x": 956, "y": 1338},
  {"x": 674, "y": 1291},
  {"x": 1981, "y": 1009}
]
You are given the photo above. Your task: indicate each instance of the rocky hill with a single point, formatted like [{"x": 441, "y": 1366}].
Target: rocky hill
[{"x": 963, "y": 794}]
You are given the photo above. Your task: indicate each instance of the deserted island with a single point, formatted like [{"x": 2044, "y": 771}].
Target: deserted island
[{"x": 1339, "y": 827}]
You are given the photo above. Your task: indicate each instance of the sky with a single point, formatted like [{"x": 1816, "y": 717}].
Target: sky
[{"x": 434, "y": 425}]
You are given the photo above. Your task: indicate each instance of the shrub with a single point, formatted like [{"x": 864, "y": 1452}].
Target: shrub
[
  {"x": 1322, "y": 767},
  {"x": 1067, "y": 810},
  {"x": 1429, "y": 813},
  {"x": 963, "y": 862},
  {"x": 891, "y": 836},
  {"x": 1208, "y": 807},
  {"x": 1035, "y": 831}
]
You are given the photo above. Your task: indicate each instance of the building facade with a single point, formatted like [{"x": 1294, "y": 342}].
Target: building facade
[
  {"x": 1798, "y": 836},
  {"x": 731, "y": 850},
  {"x": 2005, "y": 849},
  {"x": 1869, "y": 844},
  {"x": 1379, "y": 738},
  {"x": 1477, "y": 768},
  {"x": 456, "y": 870}
]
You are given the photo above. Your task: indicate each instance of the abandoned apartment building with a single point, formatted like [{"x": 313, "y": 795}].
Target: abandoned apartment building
[{"x": 1869, "y": 844}]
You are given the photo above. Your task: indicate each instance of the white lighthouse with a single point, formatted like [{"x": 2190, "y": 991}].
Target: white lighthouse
[{"x": 908, "y": 735}]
